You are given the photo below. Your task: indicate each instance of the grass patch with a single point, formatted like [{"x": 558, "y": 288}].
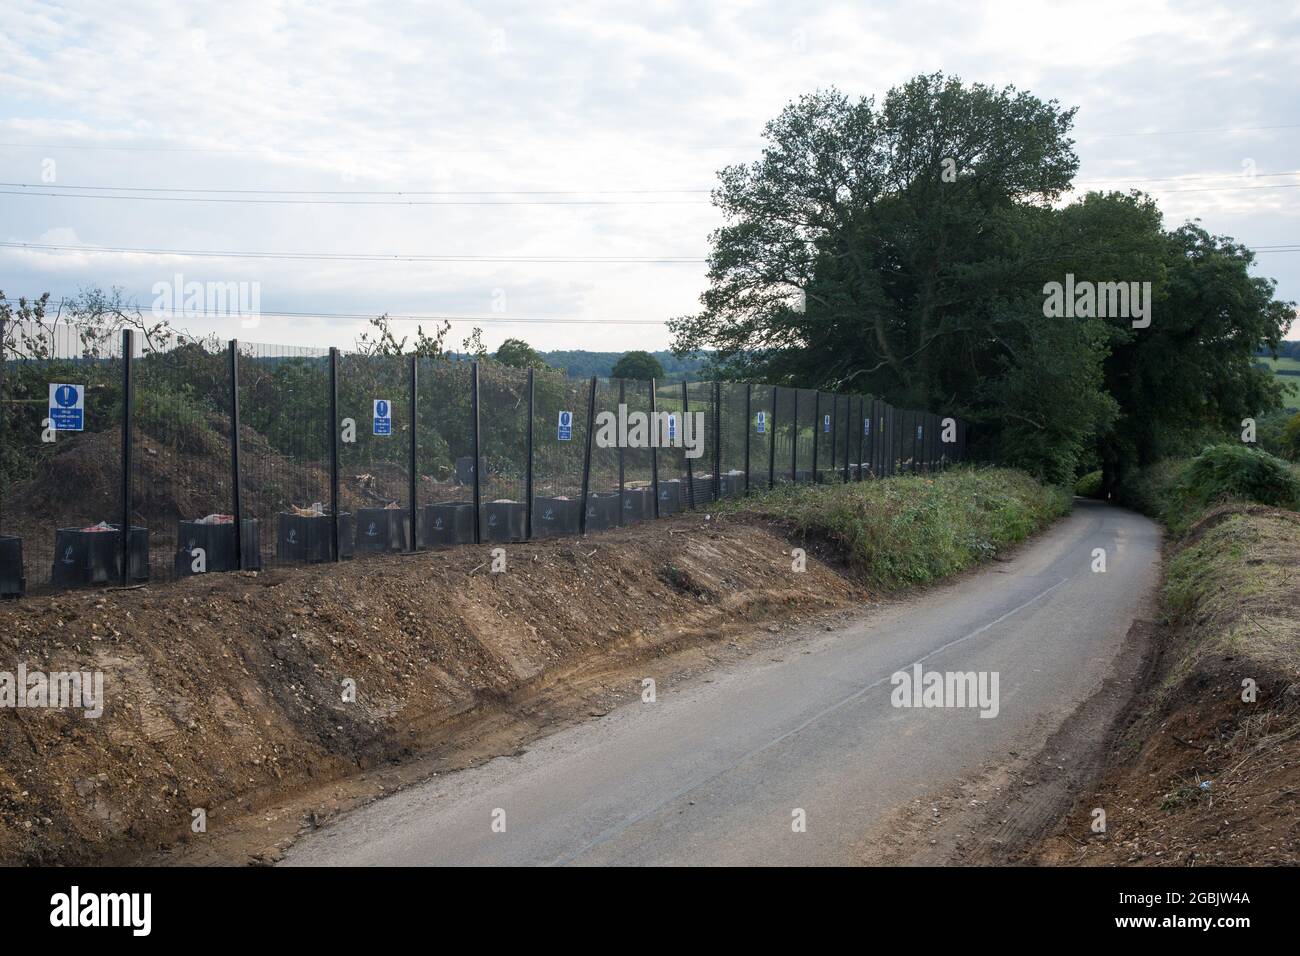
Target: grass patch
[{"x": 915, "y": 529}]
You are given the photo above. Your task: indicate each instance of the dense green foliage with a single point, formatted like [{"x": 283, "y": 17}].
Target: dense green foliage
[
  {"x": 913, "y": 530},
  {"x": 904, "y": 248},
  {"x": 582, "y": 364},
  {"x": 638, "y": 365},
  {"x": 1178, "y": 492}
]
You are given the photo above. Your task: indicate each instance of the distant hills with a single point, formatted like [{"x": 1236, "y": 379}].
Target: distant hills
[{"x": 581, "y": 364}]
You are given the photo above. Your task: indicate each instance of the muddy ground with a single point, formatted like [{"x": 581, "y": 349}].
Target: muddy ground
[{"x": 225, "y": 692}]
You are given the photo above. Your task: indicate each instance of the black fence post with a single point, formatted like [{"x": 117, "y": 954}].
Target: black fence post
[
  {"x": 654, "y": 446},
  {"x": 622, "y": 460},
  {"x": 771, "y": 442},
  {"x": 412, "y": 488},
  {"x": 749, "y": 427},
  {"x": 528, "y": 466},
  {"x": 474, "y": 427},
  {"x": 334, "y": 454},
  {"x": 128, "y": 413},
  {"x": 690, "y": 474},
  {"x": 586, "y": 457},
  {"x": 236, "y": 489},
  {"x": 794, "y": 441},
  {"x": 863, "y": 412}
]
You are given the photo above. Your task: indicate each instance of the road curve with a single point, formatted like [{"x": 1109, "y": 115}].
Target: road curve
[{"x": 714, "y": 770}]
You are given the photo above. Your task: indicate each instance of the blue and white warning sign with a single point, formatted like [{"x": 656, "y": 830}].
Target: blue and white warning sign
[
  {"x": 68, "y": 407},
  {"x": 826, "y": 424},
  {"x": 919, "y": 431},
  {"x": 564, "y": 428},
  {"x": 383, "y": 416},
  {"x": 672, "y": 427},
  {"x": 760, "y": 423},
  {"x": 866, "y": 427}
]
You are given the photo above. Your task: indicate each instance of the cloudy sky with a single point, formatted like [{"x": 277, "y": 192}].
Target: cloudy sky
[{"x": 590, "y": 133}]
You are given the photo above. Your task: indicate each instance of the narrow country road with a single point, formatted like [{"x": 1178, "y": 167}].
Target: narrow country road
[{"x": 714, "y": 770}]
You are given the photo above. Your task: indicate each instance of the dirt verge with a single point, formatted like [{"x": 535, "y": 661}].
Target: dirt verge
[
  {"x": 225, "y": 693},
  {"x": 1207, "y": 773}
]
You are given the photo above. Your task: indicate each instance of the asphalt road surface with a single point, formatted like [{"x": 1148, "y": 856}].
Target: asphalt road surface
[{"x": 716, "y": 769}]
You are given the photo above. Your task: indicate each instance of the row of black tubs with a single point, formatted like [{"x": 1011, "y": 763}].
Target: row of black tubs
[{"x": 93, "y": 556}]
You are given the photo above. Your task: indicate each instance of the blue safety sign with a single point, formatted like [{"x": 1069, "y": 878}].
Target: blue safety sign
[
  {"x": 760, "y": 423},
  {"x": 826, "y": 424},
  {"x": 564, "y": 430},
  {"x": 383, "y": 417},
  {"x": 866, "y": 427},
  {"x": 68, "y": 407},
  {"x": 672, "y": 426}
]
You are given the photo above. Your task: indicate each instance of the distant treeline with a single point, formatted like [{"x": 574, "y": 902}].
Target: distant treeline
[
  {"x": 1290, "y": 348},
  {"x": 583, "y": 364}
]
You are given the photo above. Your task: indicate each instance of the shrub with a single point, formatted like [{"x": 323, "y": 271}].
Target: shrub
[
  {"x": 1224, "y": 472},
  {"x": 1089, "y": 486}
]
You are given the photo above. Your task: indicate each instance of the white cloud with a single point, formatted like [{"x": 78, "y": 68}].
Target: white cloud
[{"x": 458, "y": 96}]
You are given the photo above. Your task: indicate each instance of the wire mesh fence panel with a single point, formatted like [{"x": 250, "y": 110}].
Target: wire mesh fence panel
[
  {"x": 874, "y": 439},
  {"x": 182, "y": 481},
  {"x": 805, "y": 432},
  {"x": 698, "y": 434},
  {"x": 734, "y": 429},
  {"x": 604, "y": 502},
  {"x": 284, "y": 441},
  {"x": 785, "y": 431},
  {"x": 887, "y": 430},
  {"x": 845, "y": 455},
  {"x": 503, "y": 447},
  {"x": 374, "y": 396},
  {"x": 559, "y": 443},
  {"x": 62, "y": 461},
  {"x": 672, "y": 462},
  {"x": 637, "y": 473},
  {"x": 758, "y": 425},
  {"x": 444, "y": 453}
]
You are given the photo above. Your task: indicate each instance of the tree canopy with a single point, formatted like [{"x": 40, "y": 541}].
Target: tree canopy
[
  {"x": 904, "y": 249},
  {"x": 638, "y": 365}
]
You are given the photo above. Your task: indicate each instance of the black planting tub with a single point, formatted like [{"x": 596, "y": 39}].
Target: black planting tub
[
  {"x": 307, "y": 537},
  {"x": 638, "y": 504},
  {"x": 554, "y": 516},
  {"x": 447, "y": 523},
  {"x": 670, "y": 497},
  {"x": 503, "y": 520},
  {"x": 218, "y": 543},
  {"x": 383, "y": 529},
  {"x": 83, "y": 556},
  {"x": 12, "y": 582},
  {"x": 602, "y": 510}
]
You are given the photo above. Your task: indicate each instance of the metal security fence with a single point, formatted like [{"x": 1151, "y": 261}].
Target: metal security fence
[{"x": 224, "y": 456}]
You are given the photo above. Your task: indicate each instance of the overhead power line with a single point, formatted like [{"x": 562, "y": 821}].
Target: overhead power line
[
  {"x": 355, "y": 257},
  {"x": 371, "y": 192},
  {"x": 369, "y": 202},
  {"x": 487, "y": 319}
]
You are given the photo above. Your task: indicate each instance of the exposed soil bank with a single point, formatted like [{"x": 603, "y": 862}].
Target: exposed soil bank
[
  {"x": 231, "y": 686},
  {"x": 1200, "y": 775},
  {"x": 225, "y": 693}
]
